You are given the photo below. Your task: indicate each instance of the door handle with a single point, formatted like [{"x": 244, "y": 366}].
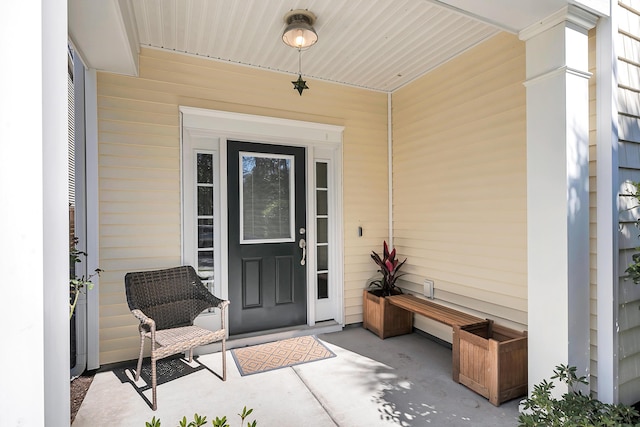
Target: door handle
[{"x": 303, "y": 246}]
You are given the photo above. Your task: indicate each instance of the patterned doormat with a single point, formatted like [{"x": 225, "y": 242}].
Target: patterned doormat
[{"x": 279, "y": 354}]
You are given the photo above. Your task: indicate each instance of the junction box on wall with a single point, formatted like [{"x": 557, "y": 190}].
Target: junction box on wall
[{"x": 428, "y": 288}]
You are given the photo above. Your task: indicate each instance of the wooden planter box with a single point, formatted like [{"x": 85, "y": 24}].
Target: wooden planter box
[
  {"x": 491, "y": 360},
  {"x": 384, "y": 319}
]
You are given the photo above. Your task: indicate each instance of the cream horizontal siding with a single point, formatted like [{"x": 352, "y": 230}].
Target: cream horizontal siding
[
  {"x": 139, "y": 168},
  {"x": 459, "y": 182},
  {"x": 629, "y": 163}
]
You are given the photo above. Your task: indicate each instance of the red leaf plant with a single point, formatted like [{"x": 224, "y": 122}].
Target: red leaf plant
[{"x": 389, "y": 268}]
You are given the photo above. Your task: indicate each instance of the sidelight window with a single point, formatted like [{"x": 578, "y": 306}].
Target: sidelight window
[
  {"x": 322, "y": 224},
  {"x": 205, "y": 201}
]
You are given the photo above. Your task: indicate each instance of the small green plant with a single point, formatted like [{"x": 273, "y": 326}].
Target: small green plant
[
  {"x": 245, "y": 413},
  {"x": 200, "y": 421},
  {"x": 573, "y": 409},
  {"x": 77, "y": 284},
  {"x": 220, "y": 422},
  {"x": 197, "y": 421}
]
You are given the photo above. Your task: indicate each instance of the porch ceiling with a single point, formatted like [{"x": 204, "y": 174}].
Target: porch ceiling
[{"x": 376, "y": 44}]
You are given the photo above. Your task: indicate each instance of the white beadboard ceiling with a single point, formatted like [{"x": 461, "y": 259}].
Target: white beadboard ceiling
[{"x": 375, "y": 44}]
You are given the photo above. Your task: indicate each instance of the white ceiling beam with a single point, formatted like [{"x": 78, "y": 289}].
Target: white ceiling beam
[{"x": 104, "y": 34}]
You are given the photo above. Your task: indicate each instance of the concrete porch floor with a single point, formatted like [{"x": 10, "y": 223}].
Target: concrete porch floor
[{"x": 400, "y": 381}]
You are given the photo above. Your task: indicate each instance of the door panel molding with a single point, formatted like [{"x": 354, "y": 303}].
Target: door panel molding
[
  {"x": 251, "y": 273},
  {"x": 285, "y": 293}
]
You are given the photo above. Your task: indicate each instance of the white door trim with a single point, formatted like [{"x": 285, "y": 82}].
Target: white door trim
[{"x": 320, "y": 140}]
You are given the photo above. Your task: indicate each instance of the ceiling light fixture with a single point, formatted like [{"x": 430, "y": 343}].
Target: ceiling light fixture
[{"x": 299, "y": 34}]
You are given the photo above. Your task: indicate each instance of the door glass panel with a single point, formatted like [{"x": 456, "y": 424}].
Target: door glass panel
[
  {"x": 266, "y": 198},
  {"x": 205, "y": 233},
  {"x": 323, "y": 258},
  {"x": 323, "y": 286},
  {"x": 205, "y": 200},
  {"x": 321, "y": 175},
  {"x": 322, "y": 230},
  {"x": 322, "y": 205},
  {"x": 205, "y": 168},
  {"x": 205, "y": 262}
]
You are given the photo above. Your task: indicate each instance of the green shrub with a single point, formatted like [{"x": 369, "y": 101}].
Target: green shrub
[{"x": 573, "y": 409}]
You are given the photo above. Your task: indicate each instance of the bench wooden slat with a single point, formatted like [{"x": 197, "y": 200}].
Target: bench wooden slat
[{"x": 434, "y": 311}]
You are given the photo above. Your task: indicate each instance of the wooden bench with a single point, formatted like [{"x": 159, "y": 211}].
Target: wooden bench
[
  {"x": 489, "y": 359},
  {"x": 435, "y": 311}
]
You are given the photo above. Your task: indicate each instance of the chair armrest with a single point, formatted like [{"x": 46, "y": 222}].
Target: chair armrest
[
  {"x": 145, "y": 320},
  {"x": 223, "y": 314}
]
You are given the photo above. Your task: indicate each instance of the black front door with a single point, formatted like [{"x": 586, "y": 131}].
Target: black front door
[{"x": 267, "y": 247}]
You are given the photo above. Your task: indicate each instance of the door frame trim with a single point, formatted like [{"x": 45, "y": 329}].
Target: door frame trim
[{"x": 320, "y": 140}]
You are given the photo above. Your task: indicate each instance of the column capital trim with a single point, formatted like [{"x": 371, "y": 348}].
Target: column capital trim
[
  {"x": 570, "y": 13},
  {"x": 556, "y": 72}
]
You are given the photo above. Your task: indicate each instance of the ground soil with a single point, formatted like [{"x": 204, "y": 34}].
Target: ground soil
[{"x": 79, "y": 388}]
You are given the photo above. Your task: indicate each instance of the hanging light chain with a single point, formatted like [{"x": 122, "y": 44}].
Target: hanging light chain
[{"x": 300, "y": 34}]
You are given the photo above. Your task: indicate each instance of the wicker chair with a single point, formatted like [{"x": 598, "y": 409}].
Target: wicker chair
[{"x": 166, "y": 302}]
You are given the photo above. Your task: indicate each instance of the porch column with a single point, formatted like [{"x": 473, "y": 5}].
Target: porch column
[
  {"x": 34, "y": 217},
  {"x": 557, "y": 80}
]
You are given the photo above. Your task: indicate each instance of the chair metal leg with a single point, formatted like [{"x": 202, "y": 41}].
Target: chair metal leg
[
  {"x": 139, "y": 367},
  {"x": 154, "y": 381},
  {"x": 190, "y": 355},
  {"x": 224, "y": 361}
]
